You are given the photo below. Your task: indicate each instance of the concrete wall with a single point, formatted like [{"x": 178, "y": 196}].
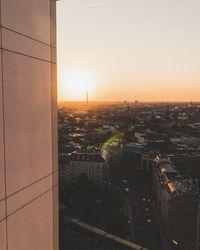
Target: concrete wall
[{"x": 28, "y": 134}]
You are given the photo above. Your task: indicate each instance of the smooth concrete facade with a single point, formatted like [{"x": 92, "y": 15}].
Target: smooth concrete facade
[{"x": 28, "y": 130}]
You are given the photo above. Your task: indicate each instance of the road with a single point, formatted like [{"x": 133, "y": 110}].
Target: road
[
  {"x": 129, "y": 211},
  {"x": 143, "y": 229}
]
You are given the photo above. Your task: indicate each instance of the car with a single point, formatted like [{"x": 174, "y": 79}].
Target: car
[
  {"x": 126, "y": 190},
  {"x": 125, "y": 181},
  {"x": 147, "y": 213},
  {"x": 143, "y": 199},
  {"x": 149, "y": 221}
]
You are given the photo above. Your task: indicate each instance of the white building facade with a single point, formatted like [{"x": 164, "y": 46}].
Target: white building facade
[{"x": 94, "y": 166}]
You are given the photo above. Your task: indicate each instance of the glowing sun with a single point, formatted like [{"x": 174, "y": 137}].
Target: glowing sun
[{"x": 78, "y": 83}]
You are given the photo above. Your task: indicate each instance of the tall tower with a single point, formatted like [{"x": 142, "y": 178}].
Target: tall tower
[
  {"x": 87, "y": 97},
  {"x": 168, "y": 113}
]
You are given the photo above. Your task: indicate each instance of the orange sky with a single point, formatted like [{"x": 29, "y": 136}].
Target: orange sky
[{"x": 126, "y": 50}]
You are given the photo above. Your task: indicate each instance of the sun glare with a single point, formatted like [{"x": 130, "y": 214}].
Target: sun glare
[{"x": 78, "y": 83}]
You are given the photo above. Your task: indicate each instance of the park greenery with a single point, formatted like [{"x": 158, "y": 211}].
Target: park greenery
[{"x": 97, "y": 206}]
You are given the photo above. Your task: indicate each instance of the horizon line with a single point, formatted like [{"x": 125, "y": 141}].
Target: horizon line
[{"x": 165, "y": 101}]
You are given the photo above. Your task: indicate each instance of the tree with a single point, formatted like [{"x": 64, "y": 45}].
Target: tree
[
  {"x": 85, "y": 206},
  {"x": 65, "y": 193},
  {"x": 84, "y": 184},
  {"x": 112, "y": 201},
  {"x": 117, "y": 223}
]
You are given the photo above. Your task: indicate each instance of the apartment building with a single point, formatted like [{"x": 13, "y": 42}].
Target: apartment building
[
  {"x": 28, "y": 133},
  {"x": 93, "y": 165},
  {"x": 184, "y": 220},
  {"x": 178, "y": 204}
]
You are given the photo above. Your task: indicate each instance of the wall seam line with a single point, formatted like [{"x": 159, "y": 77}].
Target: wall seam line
[
  {"x": 29, "y": 56},
  {"x": 31, "y": 38},
  {"x": 4, "y": 135},
  {"x": 31, "y": 184},
  {"x": 37, "y": 197}
]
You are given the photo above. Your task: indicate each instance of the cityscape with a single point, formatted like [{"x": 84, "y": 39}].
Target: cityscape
[
  {"x": 129, "y": 124},
  {"x": 99, "y": 125},
  {"x": 130, "y": 170}
]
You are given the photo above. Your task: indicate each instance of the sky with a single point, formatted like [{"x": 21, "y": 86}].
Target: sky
[{"x": 116, "y": 50}]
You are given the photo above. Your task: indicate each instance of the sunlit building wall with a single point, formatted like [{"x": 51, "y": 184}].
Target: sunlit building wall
[
  {"x": 178, "y": 203},
  {"x": 28, "y": 134},
  {"x": 184, "y": 222}
]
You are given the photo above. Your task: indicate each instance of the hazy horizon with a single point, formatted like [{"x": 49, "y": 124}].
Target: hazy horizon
[
  {"x": 126, "y": 50},
  {"x": 129, "y": 102}
]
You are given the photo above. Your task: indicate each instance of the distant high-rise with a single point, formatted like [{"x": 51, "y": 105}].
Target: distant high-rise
[
  {"x": 168, "y": 113},
  {"x": 136, "y": 102},
  {"x": 28, "y": 134}
]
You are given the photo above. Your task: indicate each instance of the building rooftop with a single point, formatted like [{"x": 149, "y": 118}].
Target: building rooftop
[
  {"x": 172, "y": 181},
  {"x": 174, "y": 186},
  {"x": 63, "y": 158},
  {"x": 86, "y": 157}
]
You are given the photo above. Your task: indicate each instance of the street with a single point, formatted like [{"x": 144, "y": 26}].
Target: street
[{"x": 143, "y": 225}]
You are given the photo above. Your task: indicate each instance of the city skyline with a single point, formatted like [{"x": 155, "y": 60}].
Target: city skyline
[{"x": 138, "y": 50}]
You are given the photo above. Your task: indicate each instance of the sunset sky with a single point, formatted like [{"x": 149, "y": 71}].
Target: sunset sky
[{"x": 128, "y": 49}]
